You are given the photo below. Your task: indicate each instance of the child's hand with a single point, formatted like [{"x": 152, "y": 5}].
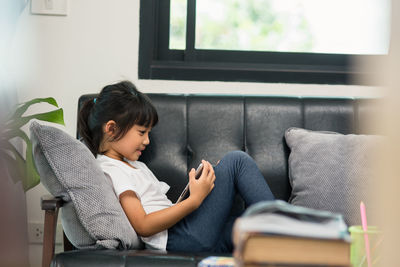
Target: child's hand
[{"x": 200, "y": 188}]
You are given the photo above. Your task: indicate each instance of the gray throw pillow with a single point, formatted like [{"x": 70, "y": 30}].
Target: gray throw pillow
[
  {"x": 92, "y": 216},
  {"x": 331, "y": 171}
]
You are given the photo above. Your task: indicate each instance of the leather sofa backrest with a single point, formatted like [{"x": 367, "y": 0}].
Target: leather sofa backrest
[{"x": 195, "y": 127}]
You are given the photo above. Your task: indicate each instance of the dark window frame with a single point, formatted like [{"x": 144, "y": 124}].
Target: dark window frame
[{"x": 157, "y": 61}]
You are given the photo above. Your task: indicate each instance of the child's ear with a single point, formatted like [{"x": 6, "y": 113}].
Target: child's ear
[{"x": 110, "y": 128}]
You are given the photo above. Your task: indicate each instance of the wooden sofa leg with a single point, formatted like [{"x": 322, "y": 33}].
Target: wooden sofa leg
[
  {"x": 51, "y": 207},
  {"x": 49, "y": 237}
]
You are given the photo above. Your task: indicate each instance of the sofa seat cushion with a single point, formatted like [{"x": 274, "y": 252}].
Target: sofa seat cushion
[
  {"x": 92, "y": 216},
  {"x": 331, "y": 171}
]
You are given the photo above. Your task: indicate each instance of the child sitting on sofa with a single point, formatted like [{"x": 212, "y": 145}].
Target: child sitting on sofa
[{"x": 116, "y": 126}]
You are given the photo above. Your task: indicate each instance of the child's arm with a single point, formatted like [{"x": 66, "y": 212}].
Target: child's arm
[{"x": 155, "y": 222}]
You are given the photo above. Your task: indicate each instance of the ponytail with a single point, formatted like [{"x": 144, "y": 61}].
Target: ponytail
[{"x": 86, "y": 134}]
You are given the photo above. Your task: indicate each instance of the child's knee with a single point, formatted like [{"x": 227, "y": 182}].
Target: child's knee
[{"x": 236, "y": 155}]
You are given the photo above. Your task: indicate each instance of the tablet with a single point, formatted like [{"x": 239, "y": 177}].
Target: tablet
[{"x": 186, "y": 189}]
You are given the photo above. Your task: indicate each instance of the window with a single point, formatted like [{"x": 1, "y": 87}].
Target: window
[{"x": 295, "y": 41}]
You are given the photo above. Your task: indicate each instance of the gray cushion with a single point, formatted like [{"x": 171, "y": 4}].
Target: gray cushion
[
  {"x": 331, "y": 171},
  {"x": 92, "y": 216}
]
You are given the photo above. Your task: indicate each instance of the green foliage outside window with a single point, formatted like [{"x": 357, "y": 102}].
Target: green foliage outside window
[
  {"x": 250, "y": 25},
  {"x": 253, "y": 25}
]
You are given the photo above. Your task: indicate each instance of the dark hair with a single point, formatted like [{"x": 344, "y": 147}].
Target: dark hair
[{"x": 120, "y": 102}]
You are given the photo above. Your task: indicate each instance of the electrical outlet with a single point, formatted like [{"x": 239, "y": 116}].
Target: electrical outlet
[{"x": 35, "y": 232}]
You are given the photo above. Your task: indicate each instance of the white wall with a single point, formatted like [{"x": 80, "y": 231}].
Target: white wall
[{"x": 97, "y": 44}]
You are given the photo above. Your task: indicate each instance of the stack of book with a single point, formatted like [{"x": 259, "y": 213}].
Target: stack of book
[{"x": 276, "y": 233}]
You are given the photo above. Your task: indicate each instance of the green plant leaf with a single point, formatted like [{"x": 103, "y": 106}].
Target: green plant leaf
[
  {"x": 16, "y": 164},
  {"x": 24, "y": 170},
  {"x": 55, "y": 116},
  {"x": 24, "y": 106},
  {"x": 32, "y": 177}
]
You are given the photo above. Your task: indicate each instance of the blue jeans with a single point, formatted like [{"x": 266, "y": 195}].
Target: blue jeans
[{"x": 209, "y": 228}]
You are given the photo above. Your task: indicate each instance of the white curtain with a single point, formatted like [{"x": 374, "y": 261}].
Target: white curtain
[{"x": 13, "y": 222}]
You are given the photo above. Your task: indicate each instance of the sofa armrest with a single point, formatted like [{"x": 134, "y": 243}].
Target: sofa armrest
[
  {"x": 51, "y": 207},
  {"x": 48, "y": 202}
]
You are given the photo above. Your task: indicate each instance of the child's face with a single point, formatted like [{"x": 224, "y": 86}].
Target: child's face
[{"x": 131, "y": 145}]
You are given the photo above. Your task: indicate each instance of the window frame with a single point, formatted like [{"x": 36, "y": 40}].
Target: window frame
[{"x": 157, "y": 61}]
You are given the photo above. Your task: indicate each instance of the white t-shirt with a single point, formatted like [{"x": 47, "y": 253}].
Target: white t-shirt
[{"x": 150, "y": 191}]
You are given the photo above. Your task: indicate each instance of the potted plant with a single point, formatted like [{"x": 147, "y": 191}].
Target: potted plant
[
  {"x": 18, "y": 174},
  {"x": 22, "y": 167}
]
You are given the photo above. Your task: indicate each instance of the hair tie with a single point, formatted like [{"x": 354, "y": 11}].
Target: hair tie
[
  {"x": 133, "y": 92},
  {"x": 94, "y": 100}
]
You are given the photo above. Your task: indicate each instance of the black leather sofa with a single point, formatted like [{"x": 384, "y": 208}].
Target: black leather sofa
[{"x": 195, "y": 127}]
